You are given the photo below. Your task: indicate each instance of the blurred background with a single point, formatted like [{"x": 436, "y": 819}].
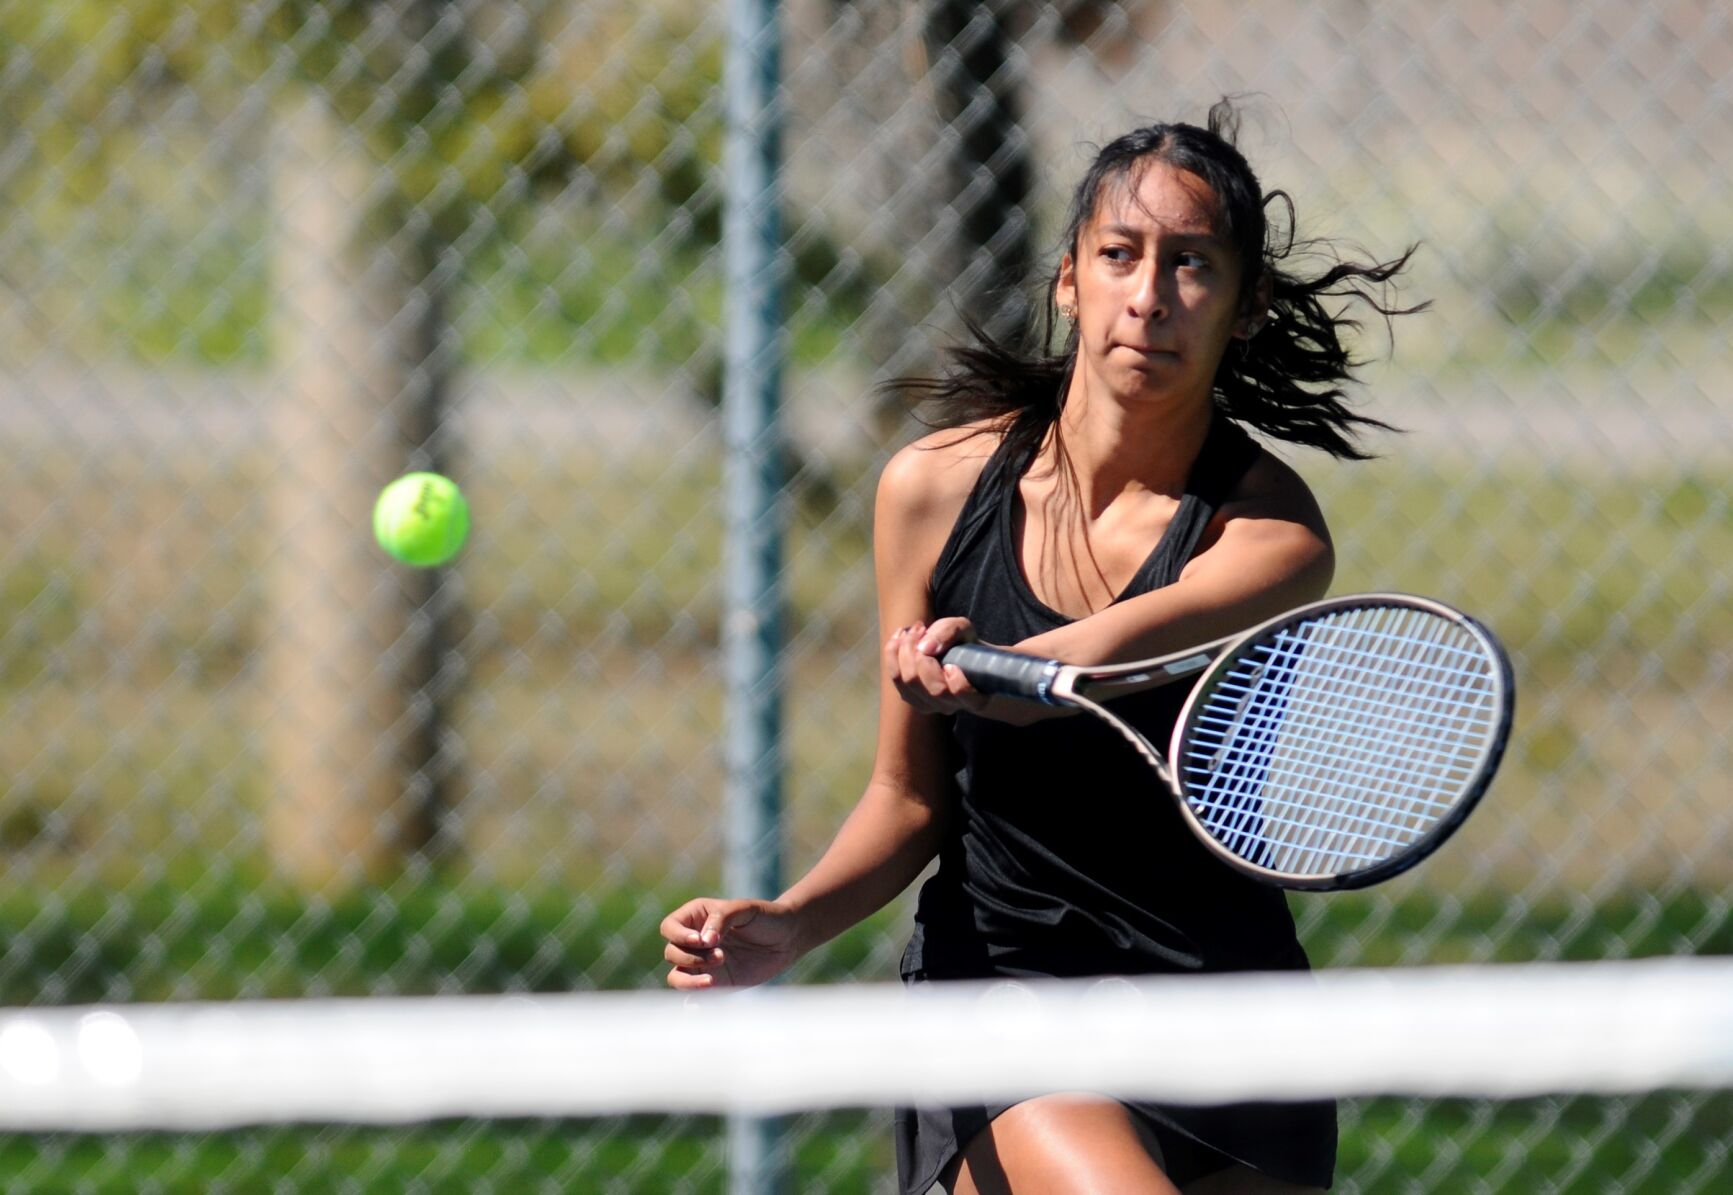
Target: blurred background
[{"x": 258, "y": 257}]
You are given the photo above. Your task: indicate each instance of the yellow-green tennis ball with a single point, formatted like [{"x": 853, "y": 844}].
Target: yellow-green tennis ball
[{"x": 421, "y": 519}]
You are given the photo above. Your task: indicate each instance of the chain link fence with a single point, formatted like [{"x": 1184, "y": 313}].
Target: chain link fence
[{"x": 260, "y": 256}]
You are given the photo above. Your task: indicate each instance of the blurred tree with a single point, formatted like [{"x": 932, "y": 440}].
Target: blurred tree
[
  {"x": 399, "y": 139},
  {"x": 407, "y": 132},
  {"x": 978, "y": 79},
  {"x": 462, "y": 111},
  {"x": 77, "y": 73},
  {"x": 975, "y": 65}
]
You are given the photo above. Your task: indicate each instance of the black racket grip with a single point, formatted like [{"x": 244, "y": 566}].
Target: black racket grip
[{"x": 1007, "y": 673}]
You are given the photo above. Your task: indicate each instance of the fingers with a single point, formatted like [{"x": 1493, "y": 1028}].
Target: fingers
[
  {"x": 944, "y": 634},
  {"x": 684, "y": 930},
  {"x": 693, "y": 971},
  {"x": 714, "y": 924},
  {"x": 921, "y": 668},
  {"x": 941, "y": 637},
  {"x": 912, "y": 656},
  {"x": 685, "y": 925},
  {"x": 701, "y": 960},
  {"x": 693, "y": 934},
  {"x": 701, "y": 923},
  {"x": 919, "y": 678}
]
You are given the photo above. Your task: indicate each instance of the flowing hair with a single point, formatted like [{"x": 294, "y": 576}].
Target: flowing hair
[{"x": 1287, "y": 381}]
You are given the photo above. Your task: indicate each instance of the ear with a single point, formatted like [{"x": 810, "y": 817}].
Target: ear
[
  {"x": 1255, "y": 313},
  {"x": 1065, "y": 289}
]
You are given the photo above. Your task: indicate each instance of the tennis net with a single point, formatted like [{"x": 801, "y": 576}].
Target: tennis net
[{"x": 1495, "y": 1032}]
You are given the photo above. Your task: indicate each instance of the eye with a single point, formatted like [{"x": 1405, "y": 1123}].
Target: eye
[
  {"x": 1116, "y": 253},
  {"x": 1191, "y": 259}
]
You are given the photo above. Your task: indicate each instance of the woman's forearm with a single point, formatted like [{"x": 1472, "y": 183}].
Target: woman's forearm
[{"x": 885, "y": 843}]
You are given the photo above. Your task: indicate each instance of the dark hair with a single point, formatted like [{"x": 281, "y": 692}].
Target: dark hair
[{"x": 1287, "y": 382}]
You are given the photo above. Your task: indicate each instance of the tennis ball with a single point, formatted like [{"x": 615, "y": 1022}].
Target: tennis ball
[{"x": 421, "y": 519}]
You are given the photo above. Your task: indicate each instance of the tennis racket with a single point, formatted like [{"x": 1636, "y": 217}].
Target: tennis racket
[{"x": 1329, "y": 748}]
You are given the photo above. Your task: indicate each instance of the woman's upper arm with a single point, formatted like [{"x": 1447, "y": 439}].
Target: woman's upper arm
[
  {"x": 1273, "y": 546},
  {"x": 1267, "y": 551},
  {"x": 921, "y": 492}
]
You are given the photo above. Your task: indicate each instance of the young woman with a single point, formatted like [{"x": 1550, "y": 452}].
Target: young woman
[{"x": 1098, "y": 504}]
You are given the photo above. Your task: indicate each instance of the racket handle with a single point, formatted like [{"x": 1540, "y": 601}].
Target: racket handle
[{"x": 1007, "y": 673}]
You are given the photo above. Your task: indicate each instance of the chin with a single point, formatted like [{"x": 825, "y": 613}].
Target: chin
[
  {"x": 1155, "y": 383},
  {"x": 1166, "y": 370}
]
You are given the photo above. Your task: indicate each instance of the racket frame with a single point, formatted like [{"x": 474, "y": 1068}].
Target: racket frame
[
  {"x": 1085, "y": 687},
  {"x": 1485, "y": 765}
]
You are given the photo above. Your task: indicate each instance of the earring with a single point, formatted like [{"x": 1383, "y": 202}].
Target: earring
[{"x": 1070, "y": 314}]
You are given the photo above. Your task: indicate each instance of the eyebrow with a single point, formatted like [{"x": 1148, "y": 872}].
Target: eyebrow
[{"x": 1126, "y": 230}]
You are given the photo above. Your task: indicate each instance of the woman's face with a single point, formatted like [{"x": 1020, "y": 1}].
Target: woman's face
[{"x": 1155, "y": 288}]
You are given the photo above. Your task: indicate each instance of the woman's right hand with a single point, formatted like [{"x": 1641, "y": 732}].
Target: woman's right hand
[
  {"x": 914, "y": 659},
  {"x": 728, "y": 943}
]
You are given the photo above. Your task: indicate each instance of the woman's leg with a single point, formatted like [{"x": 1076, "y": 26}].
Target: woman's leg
[{"x": 1062, "y": 1145}]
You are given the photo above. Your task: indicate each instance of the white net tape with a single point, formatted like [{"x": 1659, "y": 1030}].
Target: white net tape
[{"x": 1502, "y": 1032}]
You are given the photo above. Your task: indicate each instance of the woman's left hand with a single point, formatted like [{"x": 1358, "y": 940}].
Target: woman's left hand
[{"x": 914, "y": 654}]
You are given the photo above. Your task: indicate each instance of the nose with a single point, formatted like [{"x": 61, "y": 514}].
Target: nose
[{"x": 1148, "y": 300}]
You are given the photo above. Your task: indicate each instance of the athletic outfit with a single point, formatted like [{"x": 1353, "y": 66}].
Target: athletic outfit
[{"x": 1064, "y": 857}]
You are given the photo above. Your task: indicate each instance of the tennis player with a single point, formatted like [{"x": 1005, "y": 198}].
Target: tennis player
[{"x": 1097, "y": 503}]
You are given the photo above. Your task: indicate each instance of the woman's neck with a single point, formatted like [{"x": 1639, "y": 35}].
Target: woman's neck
[{"x": 1114, "y": 447}]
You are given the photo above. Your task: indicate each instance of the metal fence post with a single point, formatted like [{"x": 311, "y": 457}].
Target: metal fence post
[{"x": 752, "y": 619}]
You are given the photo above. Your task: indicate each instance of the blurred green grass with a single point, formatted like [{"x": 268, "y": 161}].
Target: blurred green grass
[
  {"x": 845, "y": 1153},
  {"x": 192, "y": 287},
  {"x": 1660, "y": 1143},
  {"x": 211, "y": 930},
  {"x": 216, "y": 932}
]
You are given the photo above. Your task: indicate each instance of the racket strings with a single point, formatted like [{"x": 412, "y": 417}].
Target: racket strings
[
  {"x": 1332, "y": 740},
  {"x": 1360, "y": 840},
  {"x": 1373, "y": 685},
  {"x": 1334, "y": 733},
  {"x": 1348, "y": 811},
  {"x": 1341, "y": 742},
  {"x": 1456, "y": 683},
  {"x": 1364, "y": 662},
  {"x": 1338, "y": 730},
  {"x": 1367, "y": 807}
]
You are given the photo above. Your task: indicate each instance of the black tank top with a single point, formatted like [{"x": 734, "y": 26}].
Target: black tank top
[{"x": 1065, "y": 854}]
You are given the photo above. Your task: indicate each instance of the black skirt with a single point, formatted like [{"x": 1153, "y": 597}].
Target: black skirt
[{"x": 1295, "y": 1142}]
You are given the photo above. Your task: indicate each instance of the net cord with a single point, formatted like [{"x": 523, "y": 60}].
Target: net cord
[{"x": 1497, "y": 1031}]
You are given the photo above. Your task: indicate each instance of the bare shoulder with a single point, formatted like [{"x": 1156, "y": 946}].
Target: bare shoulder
[
  {"x": 931, "y": 478},
  {"x": 1273, "y": 490},
  {"x": 921, "y": 493},
  {"x": 1271, "y": 524}
]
